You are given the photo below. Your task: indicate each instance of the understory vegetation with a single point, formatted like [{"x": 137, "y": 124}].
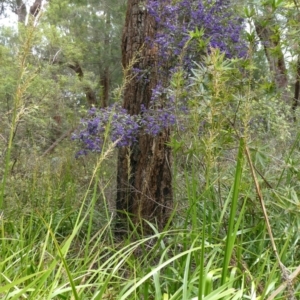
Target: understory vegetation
[{"x": 234, "y": 229}]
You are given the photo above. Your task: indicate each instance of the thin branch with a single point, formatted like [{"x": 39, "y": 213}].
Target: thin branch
[
  {"x": 51, "y": 148},
  {"x": 263, "y": 178},
  {"x": 284, "y": 270}
]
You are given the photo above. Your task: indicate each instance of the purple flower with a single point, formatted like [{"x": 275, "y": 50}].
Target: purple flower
[
  {"x": 175, "y": 19},
  {"x": 116, "y": 123}
]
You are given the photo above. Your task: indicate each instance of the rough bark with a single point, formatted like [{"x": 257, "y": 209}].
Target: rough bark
[
  {"x": 270, "y": 40},
  {"x": 144, "y": 170}
]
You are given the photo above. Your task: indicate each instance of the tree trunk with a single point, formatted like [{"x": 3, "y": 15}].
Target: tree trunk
[
  {"x": 270, "y": 39},
  {"x": 144, "y": 170},
  {"x": 104, "y": 73},
  {"x": 297, "y": 88},
  {"x": 35, "y": 7},
  {"x": 104, "y": 82},
  {"x": 297, "y": 80},
  {"x": 21, "y": 11}
]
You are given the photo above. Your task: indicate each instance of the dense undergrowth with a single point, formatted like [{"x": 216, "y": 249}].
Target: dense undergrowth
[
  {"x": 234, "y": 233},
  {"x": 57, "y": 239}
]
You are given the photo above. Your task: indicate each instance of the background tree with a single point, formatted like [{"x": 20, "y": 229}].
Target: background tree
[
  {"x": 276, "y": 23},
  {"x": 69, "y": 54},
  {"x": 93, "y": 29},
  {"x": 269, "y": 32}
]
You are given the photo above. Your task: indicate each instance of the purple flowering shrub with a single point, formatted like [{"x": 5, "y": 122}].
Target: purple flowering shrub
[
  {"x": 154, "y": 121},
  {"x": 186, "y": 30},
  {"x": 120, "y": 126},
  {"x": 177, "y": 19},
  {"x": 113, "y": 121}
]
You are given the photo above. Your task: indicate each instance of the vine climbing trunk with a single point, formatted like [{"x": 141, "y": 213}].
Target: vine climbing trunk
[{"x": 144, "y": 170}]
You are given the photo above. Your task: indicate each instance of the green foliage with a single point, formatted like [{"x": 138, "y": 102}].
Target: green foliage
[
  {"x": 89, "y": 35},
  {"x": 57, "y": 217}
]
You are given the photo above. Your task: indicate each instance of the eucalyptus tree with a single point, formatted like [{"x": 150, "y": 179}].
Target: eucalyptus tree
[
  {"x": 144, "y": 188},
  {"x": 88, "y": 43},
  {"x": 293, "y": 23},
  {"x": 269, "y": 32},
  {"x": 21, "y": 8},
  {"x": 277, "y": 25},
  {"x": 158, "y": 40},
  {"x": 80, "y": 35}
]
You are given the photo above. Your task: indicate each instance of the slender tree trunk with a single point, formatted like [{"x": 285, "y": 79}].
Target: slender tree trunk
[
  {"x": 35, "y": 7},
  {"x": 144, "y": 170},
  {"x": 297, "y": 87},
  {"x": 21, "y": 11},
  {"x": 270, "y": 39},
  {"x": 104, "y": 82},
  {"x": 105, "y": 74},
  {"x": 296, "y": 98}
]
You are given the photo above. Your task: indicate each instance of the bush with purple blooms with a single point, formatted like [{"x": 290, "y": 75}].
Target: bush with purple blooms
[
  {"x": 186, "y": 30},
  {"x": 215, "y": 19},
  {"x": 121, "y": 127},
  {"x": 114, "y": 121},
  {"x": 154, "y": 121}
]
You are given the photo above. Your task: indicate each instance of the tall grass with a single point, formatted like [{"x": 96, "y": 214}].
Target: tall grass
[
  {"x": 23, "y": 81},
  {"x": 46, "y": 257}
]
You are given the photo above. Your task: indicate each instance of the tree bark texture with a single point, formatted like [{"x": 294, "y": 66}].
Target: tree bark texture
[{"x": 144, "y": 179}]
